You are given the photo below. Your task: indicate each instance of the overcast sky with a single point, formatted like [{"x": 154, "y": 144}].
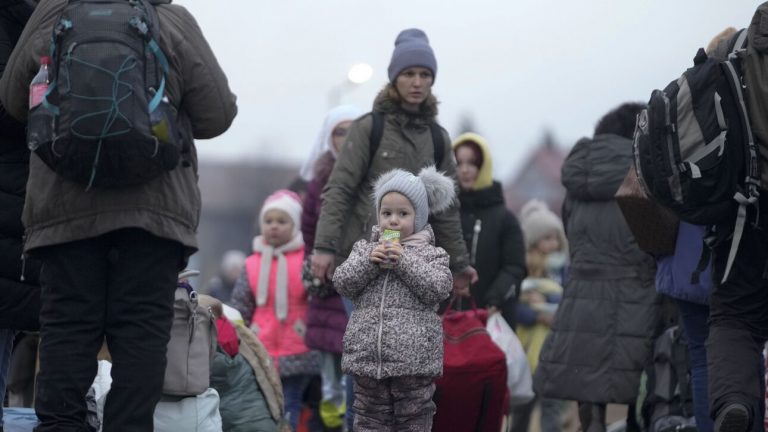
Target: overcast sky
[{"x": 515, "y": 67}]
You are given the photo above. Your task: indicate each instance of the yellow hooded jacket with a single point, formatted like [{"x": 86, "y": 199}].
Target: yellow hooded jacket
[{"x": 485, "y": 175}]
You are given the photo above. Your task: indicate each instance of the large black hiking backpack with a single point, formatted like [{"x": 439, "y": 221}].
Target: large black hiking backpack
[
  {"x": 105, "y": 120},
  {"x": 693, "y": 145},
  {"x": 665, "y": 402}
]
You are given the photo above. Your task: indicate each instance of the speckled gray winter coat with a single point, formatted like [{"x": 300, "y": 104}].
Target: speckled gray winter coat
[{"x": 395, "y": 329}]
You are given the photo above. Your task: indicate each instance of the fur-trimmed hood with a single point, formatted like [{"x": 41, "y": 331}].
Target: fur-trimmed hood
[{"x": 385, "y": 103}]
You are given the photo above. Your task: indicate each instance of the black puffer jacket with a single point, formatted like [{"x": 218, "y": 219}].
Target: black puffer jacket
[
  {"x": 604, "y": 327},
  {"x": 495, "y": 244},
  {"x": 19, "y": 292}
]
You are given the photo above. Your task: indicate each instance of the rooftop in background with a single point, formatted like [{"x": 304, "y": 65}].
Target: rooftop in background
[{"x": 538, "y": 177}]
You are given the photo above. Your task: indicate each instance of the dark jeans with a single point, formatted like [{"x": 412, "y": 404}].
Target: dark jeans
[
  {"x": 119, "y": 285},
  {"x": 294, "y": 387},
  {"x": 694, "y": 319},
  {"x": 738, "y": 323}
]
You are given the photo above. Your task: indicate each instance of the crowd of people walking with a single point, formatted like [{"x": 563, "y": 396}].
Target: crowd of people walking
[{"x": 334, "y": 319}]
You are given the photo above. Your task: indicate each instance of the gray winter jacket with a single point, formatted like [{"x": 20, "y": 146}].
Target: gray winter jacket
[
  {"x": 602, "y": 333},
  {"x": 394, "y": 330}
]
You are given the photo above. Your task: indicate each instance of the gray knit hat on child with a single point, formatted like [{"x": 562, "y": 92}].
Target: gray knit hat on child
[
  {"x": 429, "y": 192},
  {"x": 411, "y": 49}
]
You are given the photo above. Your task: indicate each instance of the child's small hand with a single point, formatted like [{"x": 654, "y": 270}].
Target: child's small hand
[
  {"x": 394, "y": 251},
  {"x": 379, "y": 254}
]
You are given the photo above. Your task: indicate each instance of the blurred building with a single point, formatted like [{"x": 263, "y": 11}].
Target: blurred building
[
  {"x": 539, "y": 177},
  {"x": 232, "y": 194}
]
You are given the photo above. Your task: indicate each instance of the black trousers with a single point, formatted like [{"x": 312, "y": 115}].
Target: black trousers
[
  {"x": 120, "y": 286},
  {"x": 739, "y": 322}
]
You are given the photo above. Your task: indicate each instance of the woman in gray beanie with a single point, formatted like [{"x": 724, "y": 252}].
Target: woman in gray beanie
[
  {"x": 409, "y": 138},
  {"x": 408, "y": 111}
]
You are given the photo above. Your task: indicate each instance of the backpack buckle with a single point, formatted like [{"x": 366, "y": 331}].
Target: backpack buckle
[
  {"x": 62, "y": 26},
  {"x": 139, "y": 25}
]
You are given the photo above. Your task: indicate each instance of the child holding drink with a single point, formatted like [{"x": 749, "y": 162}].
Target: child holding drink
[{"x": 393, "y": 345}]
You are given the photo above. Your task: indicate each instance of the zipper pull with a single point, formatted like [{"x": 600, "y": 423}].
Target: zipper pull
[
  {"x": 23, "y": 266},
  {"x": 23, "y": 258}
]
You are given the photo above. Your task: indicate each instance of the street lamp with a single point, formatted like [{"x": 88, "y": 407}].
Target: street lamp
[{"x": 358, "y": 74}]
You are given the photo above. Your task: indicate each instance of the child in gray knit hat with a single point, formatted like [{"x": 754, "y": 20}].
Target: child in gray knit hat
[{"x": 393, "y": 343}]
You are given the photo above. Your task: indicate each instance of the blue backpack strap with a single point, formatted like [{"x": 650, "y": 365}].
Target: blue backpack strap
[{"x": 155, "y": 49}]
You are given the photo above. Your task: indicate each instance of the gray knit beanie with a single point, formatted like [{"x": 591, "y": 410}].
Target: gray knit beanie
[
  {"x": 411, "y": 49},
  {"x": 429, "y": 192}
]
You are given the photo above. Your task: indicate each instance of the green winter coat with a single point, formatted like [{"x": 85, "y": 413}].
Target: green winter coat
[
  {"x": 347, "y": 213},
  {"x": 60, "y": 211}
]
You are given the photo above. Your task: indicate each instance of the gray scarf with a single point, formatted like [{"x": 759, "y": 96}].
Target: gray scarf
[{"x": 268, "y": 253}]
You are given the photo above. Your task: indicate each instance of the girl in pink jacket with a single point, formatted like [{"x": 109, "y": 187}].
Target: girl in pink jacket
[{"x": 271, "y": 297}]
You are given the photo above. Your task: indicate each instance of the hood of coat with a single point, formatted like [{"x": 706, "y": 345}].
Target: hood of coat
[
  {"x": 595, "y": 168},
  {"x": 384, "y": 103},
  {"x": 482, "y": 198},
  {"x": 485, "y": 173}
]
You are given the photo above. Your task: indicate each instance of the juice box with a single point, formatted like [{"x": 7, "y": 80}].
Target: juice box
[{"x": 389, "y": 235}]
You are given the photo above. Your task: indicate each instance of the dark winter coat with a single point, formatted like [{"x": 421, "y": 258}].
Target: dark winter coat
[
  {"x": 394, "y": 330},
  {"x": 326, "y": 317},
  {"x": 603, "y": 330},
  {"x": 495, "y": 244},
  {"x": 19, "y": 290},
  {"x": 57, "y": 210},
  {"x": 348, "y": 214}
]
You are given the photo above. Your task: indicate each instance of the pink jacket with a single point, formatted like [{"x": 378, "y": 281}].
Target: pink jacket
[{"x": 284, "y": 338}]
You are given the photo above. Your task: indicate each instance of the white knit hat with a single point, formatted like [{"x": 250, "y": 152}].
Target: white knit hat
[
  {"x": 538, "y": 221},
  {"x": 287, "y": 201},
  {"x": 430, "y": 192}
]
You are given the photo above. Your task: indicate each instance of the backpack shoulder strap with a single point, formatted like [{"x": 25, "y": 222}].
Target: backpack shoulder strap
[
  {"x": 377, "y": 130},
  {"x": 739, "y": 42},
  {"x": 749, "y": 193},
  {"x": 439, "y": 142}
]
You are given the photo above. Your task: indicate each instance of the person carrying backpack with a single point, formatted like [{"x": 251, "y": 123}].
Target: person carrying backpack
[
  {"x": 401, "y": 132},
  {"x": 112, "y": 253},
  {"x": 738, "y": 322},
  {"x": 408, "y": 140}
]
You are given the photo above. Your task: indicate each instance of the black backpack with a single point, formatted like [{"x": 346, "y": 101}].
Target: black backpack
[
  {"x": 105, "y": 120},
  {"x": 665, "y": 399},
  {"x": 693, "y": 145},
  {"x": 377, "y": 130}
]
